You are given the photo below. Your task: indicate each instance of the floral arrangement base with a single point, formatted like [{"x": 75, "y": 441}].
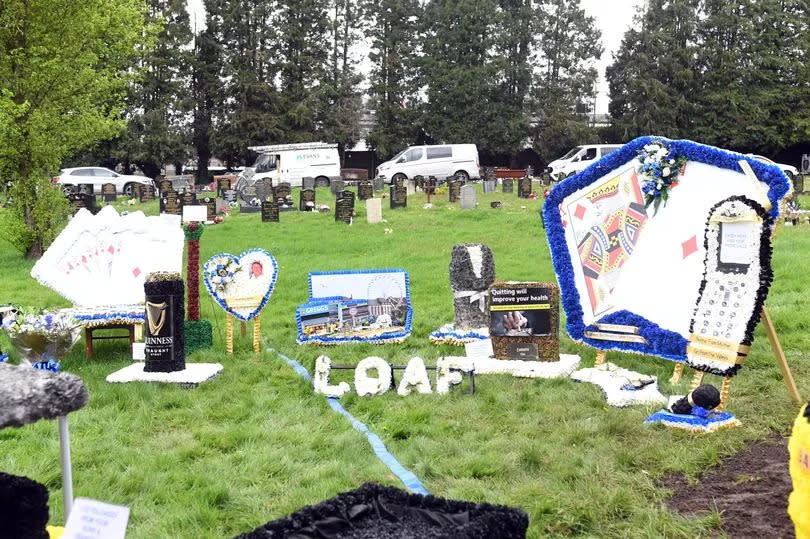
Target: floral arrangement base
[
  {"x": 373, "y": 511},
  {"x": 713, "y": 421},
  {"x": 193, "y": 375},
  {"x": 448, "y": 334},
  {"x": 622, "y": 387},
  {"x": 199, "y": 335}
]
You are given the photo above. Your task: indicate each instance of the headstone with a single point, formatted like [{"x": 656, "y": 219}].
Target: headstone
[
  {"x": 398, "y": 197},
  {"x": 468, "y": 197},
  {"x": 508, "y": 185},
  {"x": 374, "y": 210},
  {"x": 524, "y": 187},
  {"x": 344, "y": 206},
  {"x": 137, "y": 192},
  {"x": 229, "y": 195},
  {"x": 308, "y": 182},
  {"x": 524, "y": 320},
  {"x": 472, "y": 271},
  {"x": 222, "y": 206},
  {"x": 430, "y": 185},
  {"x": 336, "y": 186},
  {"x": 188, "y": 199},
  {"x": 165, "y": 311},
  {"x": 398, "y": 182},
  {"x": 530, "y": 171},
  {"x": 410, "y": 187},
  {"x": 109, "y": 193},
  {"x": 419, "y": 181},
  {"x": 260, "y": 187},
  {"x": 86, "y": 189},
  {"x": 378, "y": 182},
  {"x": 210, "y": 204},
  {"x": 306, "y": 200},
  {"x": 79, "y": 201},
  {"x": 489, "y": 173},
  {"x": 281, "y": 195},
  {"x": 170, "y": 203},
  {"x": 269, "y": 211},
  {"x": 147, "y": 193},
  {"x": 164, "y": 185},
  {"x": 454, "y": 189},
  {"x": 223, "y": 184},
  {"x": 490, "y": 186},
  {"x": 365, "y": 190}
]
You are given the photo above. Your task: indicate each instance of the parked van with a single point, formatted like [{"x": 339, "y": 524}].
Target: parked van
[
  {"x": 579, "y": 158},
  {"x": 444, "y": 160},
  {"x": 293, "y": 162}
]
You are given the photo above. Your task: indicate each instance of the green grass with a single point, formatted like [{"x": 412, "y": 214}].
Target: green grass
[{"x": 256, "y": 443}]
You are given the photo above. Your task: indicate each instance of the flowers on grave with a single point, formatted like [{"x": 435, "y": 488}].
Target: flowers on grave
[
  {"x": 42, "y": 336},
  {"x": 659, "y": 169},
  {"x": 323, "y": 366},
  {"x": 414, "y": 377},
  {"x": 220, "y": 272},
  {"x": 218, "y": 219},
  {"x": 367, "y": 385},
  {"x": 131, "y": 201}
]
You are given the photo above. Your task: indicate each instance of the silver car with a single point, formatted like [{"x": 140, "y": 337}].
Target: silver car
[{"x": 70, "y": 178}]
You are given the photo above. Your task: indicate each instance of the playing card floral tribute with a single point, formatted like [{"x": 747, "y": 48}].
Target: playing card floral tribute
[{"x": 631, "y": 280}]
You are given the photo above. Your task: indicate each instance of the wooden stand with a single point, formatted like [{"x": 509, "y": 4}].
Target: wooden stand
[
  {"x": 229, "y": 333},
  {"x": 257, "y": 329},
  {"x": 88, "y": 336},
  {"x": 600, "y": 358},
  {"x": 677, "y": 374}
]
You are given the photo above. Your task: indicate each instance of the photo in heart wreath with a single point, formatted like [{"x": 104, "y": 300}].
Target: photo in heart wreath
[{"x": 242, "y": 284}]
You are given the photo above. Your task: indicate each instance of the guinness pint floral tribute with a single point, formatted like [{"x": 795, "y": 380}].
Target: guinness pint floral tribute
[{"x": 165, "y": 296}]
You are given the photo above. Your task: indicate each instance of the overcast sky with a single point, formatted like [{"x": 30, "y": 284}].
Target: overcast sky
[{"x": 613, "y": 17}]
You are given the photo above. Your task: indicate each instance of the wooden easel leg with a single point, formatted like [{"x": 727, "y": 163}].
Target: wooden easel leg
[
  {"x": 138, "y": 332},
  {"x": 600, "y": 358},
  {"x": 677, "y": 373},
  {"x": 257, "y": 329},
  {"x": 229, "y": 333},
  {"x": 724, "y": 393},
  {"x": 696, "y": 380},
  {"x": 242, "y": 328},
  {"x": 770, "y": 330}
]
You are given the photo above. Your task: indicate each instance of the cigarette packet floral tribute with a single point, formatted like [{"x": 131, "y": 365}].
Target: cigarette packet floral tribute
[
  {"x": 663, "y": 248},
  {"x": 356, "y": 306}
]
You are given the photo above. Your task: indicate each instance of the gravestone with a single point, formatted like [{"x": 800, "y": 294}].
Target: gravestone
[
  {"x": 365, "y": 190},
  {"x": 223, "y": 185},
  {"x": 86, "y": 189},
  {"x": 373, "y": 210},
  {"x": 489, "y": 173},
  {"x": 490, "y": 186},
  {"x": 281, "y": 196},
  {"x": 308, "y": 182},
  {"x": 164, "y": 185},
  {"x": 137, "y": 191},
  {"x": 378, "y": 182},
  {"x": 472, "y": 271},
  {"x": 344, "y": 206},
  {"x": 524, "y": 187},
  {"x": 468, "y": 197},
  {"x": 210, "y": 204},
  {"x": 398, "y": 182},
  {"x": 260, "y": 187},
  {"x": 530, "y": 171},
  {"x": 109, "y": 192},
  {"x": 147, "y": 193},
  {"x": 79, "y": 201},
  {"x": 306, "y": 200},
  {"x": 188, "y": 199},
  {"x": 336, "y": 186},
  {"x": 398, "y": 197},
  {"x": 222, "y": 206},
  {"x": 430, "y": 185},
  {"x": 410, "y": 187},
  {"x": 269, "y": 211},
  {"x": 170, "y": 203},
  {"x": 454, "y": 190},
  {"x": 229, "y": 195},
  {"x": 419, "y": 181},
  {"x": 508, "y": 185}
]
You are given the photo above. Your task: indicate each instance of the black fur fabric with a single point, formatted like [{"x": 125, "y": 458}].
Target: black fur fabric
[
  {"x": 463, "y": 278},
  {"x": 28, "y": 395},
  {"x": 706, "y": 396},
  {"x": 23, "y": 508},
  {"x": 376, "y": 512}
]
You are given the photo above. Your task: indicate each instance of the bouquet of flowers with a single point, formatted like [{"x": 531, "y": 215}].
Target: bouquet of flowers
[
  {"x": 42, "y": 337},
  {"x": 659, "y": 169},
  {"x": 220, "y": 272}
]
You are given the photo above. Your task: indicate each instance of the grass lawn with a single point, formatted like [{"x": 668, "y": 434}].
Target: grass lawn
[{"x": 256, "y": 443}]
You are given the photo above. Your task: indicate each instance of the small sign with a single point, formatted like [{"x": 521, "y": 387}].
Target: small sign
[
  {"x": 523, "y": 351},
  {"x": 109, "y": 193},
  {"x": 210, "y": 204},
  {"x": 524, "y": 320},
  {"x": 90, "y": 519},
  {"x": 197, "y": 214},
  {"x": 269, "y": 212},
  {"x": 479, "y": 349}
]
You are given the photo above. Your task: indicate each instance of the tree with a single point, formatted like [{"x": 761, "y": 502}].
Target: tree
[
  {"x": 392, "y": 27},
  {"x": 564, "y": 86},
  {"x": 58, "y": 95},
  {"x": 206, "y": 89}
]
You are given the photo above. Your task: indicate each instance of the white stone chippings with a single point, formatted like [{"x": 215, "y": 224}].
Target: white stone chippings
[
  {"x": 414, "y": 377},
  {"x": 366, "y": 385},
  {"x": 323, "y": 366}
]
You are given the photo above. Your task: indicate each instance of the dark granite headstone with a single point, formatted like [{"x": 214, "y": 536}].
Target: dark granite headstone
[
  {"x": 137, "y": 192},
  {"x": 430, "y": 185},
  {"x": 223, "y": 185},
  {"x": 164, "y": 185},
  {"x": 508, "y": 185},
  {"x": 378, "y": 182},
  {"x": 306, "y": 200},
  {"x": 188, "y": 199},
  {"x": 147, "y": 193},
  {"x": 524, "y": 187},
  {"x": 269, "y": 212},
  {"x": 365, "y": 190},
  {"x": 210, "y": 204},
  {"x": 260, "y": 187},
  {"x": 79, "y": 201},
  {"x": 398, "y": 196},
  {"x": 109, "y": 193},
  {"x": 344, "y": 206},
  {"x": 229, "y": 195},
  {"x": 170, "y": 203},
  {"x": 337, "y": 186},
  {"x": 282, "y": 196},
  {"x": 454, "y": 189}
]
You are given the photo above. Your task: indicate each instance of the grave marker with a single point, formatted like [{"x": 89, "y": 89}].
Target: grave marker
[
  {"x": 269, "y": 212},
  {"x": 344, "y": 206},
  {"x": 109, "y": 193},
  {"x": 490, "y": 186},
  {"x": 308, "y": 182},
  {"x": 398, "y": 197},
  {"x": 223, "y": 185},
  {"x": 454, "y": 190},
  {"x": 524, "y": 187},
  {"x": 468, "y": 197},
  {"x": 147, "y": 193},
  {"x": 336, "y": 186},
  {"x": 365, "y": 190},
  {"x": 306, "y": 200},
  {"x": 170, "y": 203},
  {"x": 164, "y": 185},
  {"x": 373, "y": 210},
  {"x": 508, "y": 185},
  {"x": 210, "y": 207}
]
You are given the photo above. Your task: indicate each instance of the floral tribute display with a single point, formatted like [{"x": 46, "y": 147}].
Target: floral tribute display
[
  {"x": 241, "y": 284},
  {"x": 660, "y": 169},
  {"x": 631, "y": 281},
  {"x": 42, "y": 339}
]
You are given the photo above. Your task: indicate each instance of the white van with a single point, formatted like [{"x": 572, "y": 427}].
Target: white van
[
  {"x": 293, "y": 162},
  {"x": 579, "y": 158},
  {"x": 440, "y": 161}
]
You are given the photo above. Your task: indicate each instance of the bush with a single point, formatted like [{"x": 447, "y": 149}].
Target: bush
[{"x": 36, "y": 212}]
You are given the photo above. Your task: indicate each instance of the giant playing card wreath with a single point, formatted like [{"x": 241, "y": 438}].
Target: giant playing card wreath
[{"x": 636, "y": 237}]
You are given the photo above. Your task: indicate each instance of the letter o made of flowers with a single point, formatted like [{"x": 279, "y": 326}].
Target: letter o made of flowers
[{"x": 367, "y": 385}]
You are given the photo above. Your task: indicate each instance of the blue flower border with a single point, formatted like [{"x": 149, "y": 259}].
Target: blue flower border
[
  {"x": 714, "y": 421},
  {"x": 238, "y": 259},
  {"x": 124, "y": 316},
  {"x": 663, "y": 343},
  {"x": 438, "y": 336},
  {"x": 388, "y": 337}
]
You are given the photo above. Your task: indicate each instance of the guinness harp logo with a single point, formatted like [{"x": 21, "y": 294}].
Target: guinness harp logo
[{"x": 156, "y": 316}]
